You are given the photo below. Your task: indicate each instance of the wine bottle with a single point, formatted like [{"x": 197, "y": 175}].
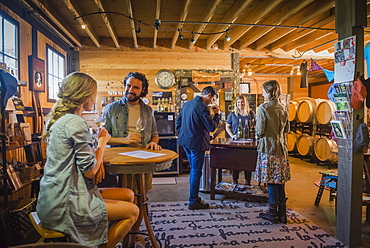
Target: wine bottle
[
  {"x": 240, "y": 130},
  {"x": 246, "y": 130}
]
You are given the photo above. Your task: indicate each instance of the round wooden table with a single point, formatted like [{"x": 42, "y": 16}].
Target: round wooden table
[{"x": 124, "y": 164}]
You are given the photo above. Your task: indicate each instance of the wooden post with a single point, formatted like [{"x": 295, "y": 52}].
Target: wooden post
[
  {"x": 350, "y": 17},
  {"x": 235, "y": 61}
]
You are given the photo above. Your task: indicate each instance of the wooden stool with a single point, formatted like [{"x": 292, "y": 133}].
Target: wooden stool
[
  {"x": 46, "y": 234},
  {"x": 329, "y": 179}
]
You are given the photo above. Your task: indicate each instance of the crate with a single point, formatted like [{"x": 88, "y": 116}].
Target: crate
[
  {"x": 28, "y": 173},
  {"x": 19, "y": 222}
]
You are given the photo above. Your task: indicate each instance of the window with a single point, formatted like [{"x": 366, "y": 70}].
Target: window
[
  {"x": 56, "y": 72},
  {"x": 9, "y": 53}
]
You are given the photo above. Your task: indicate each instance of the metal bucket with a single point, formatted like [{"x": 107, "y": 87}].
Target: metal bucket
[{"x": 205, "y": 180}]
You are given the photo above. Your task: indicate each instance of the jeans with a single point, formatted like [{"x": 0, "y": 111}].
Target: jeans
[
  {"x": 276, "y": 193},
  {"x": 196, "y": 160}
]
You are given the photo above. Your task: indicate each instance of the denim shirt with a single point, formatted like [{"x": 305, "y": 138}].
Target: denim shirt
[
  {"x": 117, "y": 116},
  {"x": 271, "y": 125}
]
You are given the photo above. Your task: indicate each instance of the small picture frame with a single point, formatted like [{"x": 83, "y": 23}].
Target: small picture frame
[
  {"x": 36, "y": 74},
  {"x": 338, "y": 129}
]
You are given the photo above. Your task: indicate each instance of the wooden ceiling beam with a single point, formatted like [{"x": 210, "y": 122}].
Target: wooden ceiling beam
[
  {"x": 301, "y": 18},
  {"x": 88, "y": 28},
  {"x": 107, "y": 22},
  {"x": 232, "y": 14},
  {"x": 59, "y": 21},
  {"x": 296, "y": 35},
  {"x": 157, "y": 15},
  {"x": 254, "y": 16},
  {"x": 184, "y": 13},
  {"x": 307, "y": 39},
  {"x": 206, "y": 17},
  {"x": 285, "y": 11},
  {"x": 320, "y": 42},
  {"x": 132, "y": 23}
]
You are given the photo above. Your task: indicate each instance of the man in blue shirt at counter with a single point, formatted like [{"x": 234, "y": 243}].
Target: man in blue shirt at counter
[{"x": 193, "y": 126}]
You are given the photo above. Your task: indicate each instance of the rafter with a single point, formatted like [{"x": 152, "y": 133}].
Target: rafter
[
  {"x": 286, "y": 10},
  {"x": 62, "y": 24},
  {"x": 320, "y": 42},
  {"x": 107, "y": 22},
  {"x": 157, "y": 15},
  {"x": 296, "y": 35},
  {"x": 307, "y": 39},
  {"x": 230, "y": 17},
  {"x": 254, "y": 17},
  {"x": 184, "y": 13},
  {"x": 88, "y": 28},
  {"x": 132, "y": 23},
  {"x": 206, "y": 17},
  {"x": 310, "y": 12}
]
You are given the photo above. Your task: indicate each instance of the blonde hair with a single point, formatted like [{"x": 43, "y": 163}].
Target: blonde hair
[
  {"x": 75, "y": 90},
  {"x": 272, "y": 88},
  {"x": 247, "y": 108}
]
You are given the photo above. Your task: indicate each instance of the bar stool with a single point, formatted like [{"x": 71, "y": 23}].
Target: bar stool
[
  {"x": 328, "y": 179},
  {"x": 46, "y": 234}
]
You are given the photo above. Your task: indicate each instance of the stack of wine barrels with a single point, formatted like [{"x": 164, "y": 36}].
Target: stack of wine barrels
[{"x": 311, "y": 112}]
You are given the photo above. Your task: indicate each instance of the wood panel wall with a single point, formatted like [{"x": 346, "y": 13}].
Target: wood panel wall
[{"x": 25, "y": 49}]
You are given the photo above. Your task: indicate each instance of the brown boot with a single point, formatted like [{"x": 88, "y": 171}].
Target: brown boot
[
  {"x": 282, "y": 212},
  {"x": 271, "y": 214}
]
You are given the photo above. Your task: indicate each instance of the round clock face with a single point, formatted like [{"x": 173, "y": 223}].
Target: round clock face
[
  {"x": 165, "y": 79},
  {"x": 184, "y": 96}
]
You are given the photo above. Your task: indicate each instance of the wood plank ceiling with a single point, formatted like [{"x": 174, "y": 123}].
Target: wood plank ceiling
[{"x": 271, "y": 36}]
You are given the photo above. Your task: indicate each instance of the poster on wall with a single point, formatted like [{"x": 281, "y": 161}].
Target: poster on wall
[
  {"x": 344, "y": 60},
  {"x": 36, "y": 74}
]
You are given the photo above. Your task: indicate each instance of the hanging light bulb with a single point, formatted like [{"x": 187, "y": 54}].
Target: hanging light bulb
[
  {"x": 249, "y": 71},
  {"x": 298, "y": 70},
  {"x": 192, "y": 38},
  {"x": 227, "y": 38},
  {"x": 83, "y": 26}
]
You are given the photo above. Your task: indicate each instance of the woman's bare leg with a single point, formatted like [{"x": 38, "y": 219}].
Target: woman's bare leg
[
  {"x": 121, "y": 194},
  {"x": 126, "y": 214}
]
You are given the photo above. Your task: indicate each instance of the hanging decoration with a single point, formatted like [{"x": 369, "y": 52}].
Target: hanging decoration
[
  {"x": 315, "y": 66},
  {"x": 329, "y": 75}
]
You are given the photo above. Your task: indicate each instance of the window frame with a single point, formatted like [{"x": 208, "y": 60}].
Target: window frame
[
  {"x": 4, "y": 16},
  {"x": 48, "y": 47}
]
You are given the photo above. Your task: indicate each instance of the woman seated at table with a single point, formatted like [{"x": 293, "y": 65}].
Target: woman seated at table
[
  {"x": 69, "y": 200},
  {"x": 241, "y": 112}
]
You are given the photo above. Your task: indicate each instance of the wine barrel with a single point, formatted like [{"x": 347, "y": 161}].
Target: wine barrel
[
  {"x": 293, "y": 106},
  {"x": 292, "y": 141},
  {"x": 306, "y": 110},
  {"x": 325, "y": 111},
  {"x": 324, "y": 149},
  {"x": 305, "y": 144}
]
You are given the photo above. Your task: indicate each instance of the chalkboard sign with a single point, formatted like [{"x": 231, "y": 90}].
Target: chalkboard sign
[{"x": 254, "y": 100}]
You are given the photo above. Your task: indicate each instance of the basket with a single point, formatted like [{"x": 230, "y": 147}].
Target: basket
[
  {"x": 28, "y": 173},
  {"x": 19, "y": 222}
]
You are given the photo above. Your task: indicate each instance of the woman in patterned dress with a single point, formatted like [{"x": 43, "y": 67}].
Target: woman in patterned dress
[{"x": 273, "y": 168}]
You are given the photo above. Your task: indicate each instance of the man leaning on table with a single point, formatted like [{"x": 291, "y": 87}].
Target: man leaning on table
[
  {"x": 193, "y": 125},
  {"x": 121, "y": 117}
]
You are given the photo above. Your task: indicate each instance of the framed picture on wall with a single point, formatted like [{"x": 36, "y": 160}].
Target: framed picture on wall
[{"x": 36, "y": 74}]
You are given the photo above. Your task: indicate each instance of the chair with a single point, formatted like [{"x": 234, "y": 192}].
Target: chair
[{"x": 46, "y": 234}]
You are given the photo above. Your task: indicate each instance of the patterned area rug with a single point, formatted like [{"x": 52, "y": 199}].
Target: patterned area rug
[{"x": 230, "y": 224}]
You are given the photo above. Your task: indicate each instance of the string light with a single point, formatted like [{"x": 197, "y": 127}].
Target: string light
[
  {"x": 227, "y": 38},
  {"x": 192, "y": 38},
  {"x": 157, "y": 23}
]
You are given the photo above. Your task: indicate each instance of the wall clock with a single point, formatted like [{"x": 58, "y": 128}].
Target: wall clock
[{"x": 165, "y": 79}]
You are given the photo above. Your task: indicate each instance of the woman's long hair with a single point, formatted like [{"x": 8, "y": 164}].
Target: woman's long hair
[
  {"x": 246, "y": 108},
  {"x": 272, "y": 88},
  {"x": 75, "y": 90}
]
